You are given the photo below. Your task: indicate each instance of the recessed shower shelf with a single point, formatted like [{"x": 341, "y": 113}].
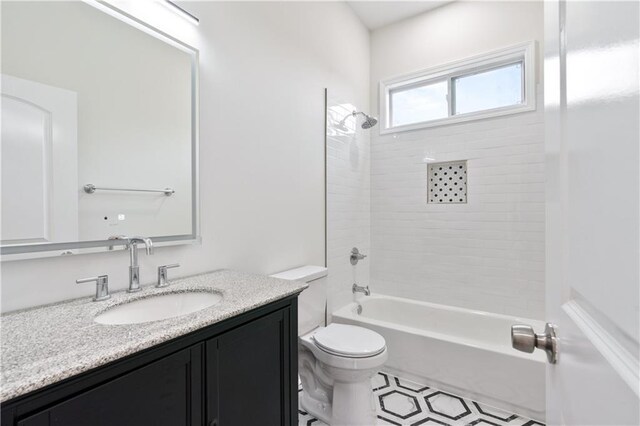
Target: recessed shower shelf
[{"x": 447, "y": 182}]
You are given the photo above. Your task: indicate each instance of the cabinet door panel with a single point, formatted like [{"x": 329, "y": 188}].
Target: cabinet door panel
[
  {"x": 164, "y": 392},
  {"x": 40, "y": 419},
  {"x": 248, "y": 374}
]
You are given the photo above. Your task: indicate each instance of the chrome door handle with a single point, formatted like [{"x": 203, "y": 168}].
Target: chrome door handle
[{"x": 524, "y": 339}]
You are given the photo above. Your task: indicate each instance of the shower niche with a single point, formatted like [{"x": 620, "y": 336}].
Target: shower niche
[{"x": 447, "y": 182}]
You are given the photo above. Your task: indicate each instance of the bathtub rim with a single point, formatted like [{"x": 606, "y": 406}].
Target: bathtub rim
[{"x": 349, "y": 311}]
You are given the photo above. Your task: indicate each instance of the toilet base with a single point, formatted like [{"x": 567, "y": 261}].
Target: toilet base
[
  {"x": 335, "y": 395},
  {"x": 353, "y": 405}
]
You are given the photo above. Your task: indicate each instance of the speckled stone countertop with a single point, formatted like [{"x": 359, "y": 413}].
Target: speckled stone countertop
[{"x": 44, "y": 345}]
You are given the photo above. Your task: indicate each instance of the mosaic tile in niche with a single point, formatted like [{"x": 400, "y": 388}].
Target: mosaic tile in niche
[{"x": 447, "y": 182}]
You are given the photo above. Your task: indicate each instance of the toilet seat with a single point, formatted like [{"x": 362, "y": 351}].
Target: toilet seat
[{"x": 349, "y": 341}]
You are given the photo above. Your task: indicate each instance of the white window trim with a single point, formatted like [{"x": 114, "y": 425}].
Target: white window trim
[{"x": 522, "y": 51}]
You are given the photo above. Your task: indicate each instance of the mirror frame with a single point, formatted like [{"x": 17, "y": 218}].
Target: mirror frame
[{"x": 30, "y": 251}]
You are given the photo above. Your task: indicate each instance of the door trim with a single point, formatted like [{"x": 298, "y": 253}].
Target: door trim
[{"x": 622, "y": 361}]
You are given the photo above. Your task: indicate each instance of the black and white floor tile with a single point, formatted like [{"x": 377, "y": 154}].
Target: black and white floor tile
[{"x": 403, "y": 403}]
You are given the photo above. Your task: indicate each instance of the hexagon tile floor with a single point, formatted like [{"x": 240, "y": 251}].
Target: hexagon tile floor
[{"x": 404, "y": 403}]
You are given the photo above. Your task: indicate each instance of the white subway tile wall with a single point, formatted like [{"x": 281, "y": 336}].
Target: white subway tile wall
[
  {"x": 487, "y": 254},
  {"x": 348, "y": 201}
]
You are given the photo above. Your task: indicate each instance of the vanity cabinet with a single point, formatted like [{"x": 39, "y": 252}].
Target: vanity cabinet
[
  {"x": 242, "y": 371},
  {"x": 245, "y": 374}
]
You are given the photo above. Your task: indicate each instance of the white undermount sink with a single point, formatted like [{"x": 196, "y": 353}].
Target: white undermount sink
[{"x": 158, "y": 307}]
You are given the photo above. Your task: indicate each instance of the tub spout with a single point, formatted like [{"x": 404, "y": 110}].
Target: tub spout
[{"x": 360, "y": 289}]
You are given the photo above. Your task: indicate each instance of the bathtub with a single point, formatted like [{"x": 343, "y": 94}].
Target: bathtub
[{"x": 461, "y": 351}]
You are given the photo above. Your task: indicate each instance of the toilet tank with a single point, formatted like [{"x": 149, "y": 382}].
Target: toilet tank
[{"x": 312, "y": 301}]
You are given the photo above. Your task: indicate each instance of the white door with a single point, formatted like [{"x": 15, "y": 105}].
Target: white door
[
  {"x": 38, "y": 149},
  {"x": 593, "y": 196}
]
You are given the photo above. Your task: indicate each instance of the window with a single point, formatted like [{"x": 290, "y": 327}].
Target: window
[
  {"x": 489, "y": 85},
  {"x": 426, "y": 102},
  {"x": 495, "y": 88}
]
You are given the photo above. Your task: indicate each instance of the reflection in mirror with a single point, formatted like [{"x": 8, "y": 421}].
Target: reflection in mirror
[{"x": 98, "y": 130}]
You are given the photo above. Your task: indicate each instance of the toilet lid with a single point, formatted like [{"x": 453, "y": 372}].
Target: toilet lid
[{"x": 349, "y": 340}]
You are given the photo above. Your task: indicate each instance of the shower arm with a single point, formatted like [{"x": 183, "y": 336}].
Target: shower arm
[
  {"x": 369, "y": 121},
  {"x": 353, "y": 114}
]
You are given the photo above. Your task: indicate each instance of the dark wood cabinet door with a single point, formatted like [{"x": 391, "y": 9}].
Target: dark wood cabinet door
[
  {"x": 165, "y": 392},
  {"x": 249, "y": 374}
]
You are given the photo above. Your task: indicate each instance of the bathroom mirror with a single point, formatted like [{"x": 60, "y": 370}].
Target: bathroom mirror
[{"x": 99, "y": 130}]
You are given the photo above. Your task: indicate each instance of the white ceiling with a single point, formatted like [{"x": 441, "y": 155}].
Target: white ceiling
[{"x": 376, "y": 14}]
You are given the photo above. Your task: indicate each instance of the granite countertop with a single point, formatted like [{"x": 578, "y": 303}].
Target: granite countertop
[{"x": 44, "y": 345}]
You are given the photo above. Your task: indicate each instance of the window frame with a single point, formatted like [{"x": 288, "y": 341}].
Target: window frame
[{"x": 523, "y": 52}]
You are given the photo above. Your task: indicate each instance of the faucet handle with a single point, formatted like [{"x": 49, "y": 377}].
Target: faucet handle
[
  {"x": 162, "y": 274},
  {"x": 102, "y": 286},
  {"x": 356, "y": 256}
]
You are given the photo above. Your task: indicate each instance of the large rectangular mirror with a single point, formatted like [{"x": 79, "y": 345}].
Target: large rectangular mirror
[{"x": 99, "y": 130}]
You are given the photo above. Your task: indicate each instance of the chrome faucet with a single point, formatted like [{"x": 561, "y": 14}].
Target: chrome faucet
[
  {"x": 356, "y": 256},
  {"x": 355, "y": 288},
  {"x": 134, "y": 269}
]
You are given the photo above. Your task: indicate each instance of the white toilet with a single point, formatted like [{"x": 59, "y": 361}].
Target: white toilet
[{"x": 336, "y": 362}]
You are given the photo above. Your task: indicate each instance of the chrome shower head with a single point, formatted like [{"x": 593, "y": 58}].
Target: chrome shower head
[{"x": 368, "y": 123}]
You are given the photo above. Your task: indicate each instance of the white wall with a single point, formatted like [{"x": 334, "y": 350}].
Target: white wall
[
  {"x": 348, "y": 199},
  {"x": 489, "y": 253},
  {"x": 263, "y": 70}
]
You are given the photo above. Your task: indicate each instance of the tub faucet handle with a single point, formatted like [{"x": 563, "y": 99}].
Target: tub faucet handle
[{"x": 356, "y": 256}]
